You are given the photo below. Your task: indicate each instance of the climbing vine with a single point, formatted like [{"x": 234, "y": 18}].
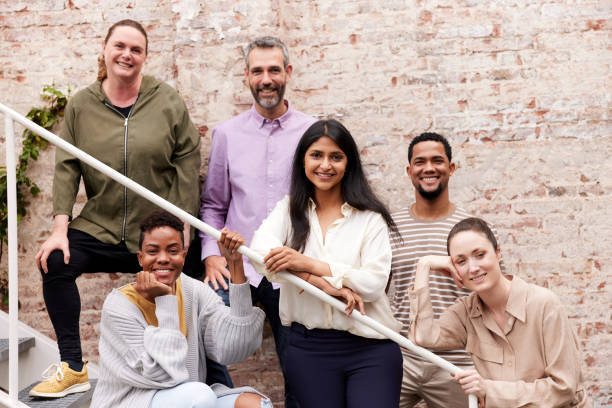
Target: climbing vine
[{"x": 47, "y": 117}]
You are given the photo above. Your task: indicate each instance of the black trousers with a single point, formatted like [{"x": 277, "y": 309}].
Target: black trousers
[
  {"x": 87, "y": 255},
  {"x": 336, "y": 369},
  {"x": 269, "y": 297}
]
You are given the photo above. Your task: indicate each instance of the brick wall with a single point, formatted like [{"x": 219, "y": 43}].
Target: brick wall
[{"x": 522, "y": 88}]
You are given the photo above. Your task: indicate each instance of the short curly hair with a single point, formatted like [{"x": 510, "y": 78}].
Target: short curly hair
[
  {"x": 434, "y": 137},
  {"x": 160, "y": 218}
]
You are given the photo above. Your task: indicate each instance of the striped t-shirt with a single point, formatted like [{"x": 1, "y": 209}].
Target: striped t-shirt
[{"x": 420, "y": 238}]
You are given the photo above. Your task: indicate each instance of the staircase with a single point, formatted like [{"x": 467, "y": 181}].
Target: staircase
[
  {"x": 36, "y": 353},
  {"x": 25, "y": 343},
  {"x": 78, "y": 400}
]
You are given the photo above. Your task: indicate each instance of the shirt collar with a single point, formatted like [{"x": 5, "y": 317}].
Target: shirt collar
[
  {"x": 517, "y": 300},
  {"x": 346, "y": 208},
  {"x": 261, "y": 121},
  {"x": 475, "y": 305}
]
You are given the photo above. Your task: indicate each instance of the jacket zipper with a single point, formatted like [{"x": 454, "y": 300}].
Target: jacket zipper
[{"x": 125, "y": 135}]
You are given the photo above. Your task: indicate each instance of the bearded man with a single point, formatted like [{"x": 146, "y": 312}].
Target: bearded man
[
  {"x": 424, "y": 226},
  {"x": 248, "y": 172}
]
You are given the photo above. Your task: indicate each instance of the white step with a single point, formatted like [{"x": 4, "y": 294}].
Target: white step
[
  {"x": 35, "y": 359},
  {"x": 25, "y": 343}
]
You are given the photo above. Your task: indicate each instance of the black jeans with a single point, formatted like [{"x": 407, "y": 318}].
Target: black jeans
[{"x": 87, "y": 255}]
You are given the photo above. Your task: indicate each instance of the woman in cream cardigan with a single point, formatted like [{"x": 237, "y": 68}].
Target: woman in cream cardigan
[{"x": 156, "y": 333}]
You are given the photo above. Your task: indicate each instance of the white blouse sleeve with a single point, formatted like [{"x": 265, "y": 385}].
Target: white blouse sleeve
[
  {"x": 272, "y": 233},
  {"x": 370, "y": 278}
]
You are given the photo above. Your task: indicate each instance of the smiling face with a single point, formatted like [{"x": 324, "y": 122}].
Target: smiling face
[
  {"x": 325, "y": 164},
  {"x": 430, "y": 169},
  {"x": 267, "y": 78},
  {"x": 125, "y": 53},
  {"x": 475, "y": 259},
  {"x": 163, "y": 254}
]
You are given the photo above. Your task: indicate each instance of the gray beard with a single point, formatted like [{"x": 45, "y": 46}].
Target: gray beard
[{"x": 269, "y": 105}]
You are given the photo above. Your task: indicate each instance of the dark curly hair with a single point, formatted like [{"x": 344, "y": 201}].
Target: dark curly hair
[
  {"x": 434, "y": 137},
  {"x": 160, "y": 218}
]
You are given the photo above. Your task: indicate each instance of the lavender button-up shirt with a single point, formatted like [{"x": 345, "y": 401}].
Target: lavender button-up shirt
[{"x": 249, "y": 171}]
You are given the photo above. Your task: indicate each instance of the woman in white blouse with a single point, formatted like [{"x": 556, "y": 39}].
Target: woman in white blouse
[{"x": 332, "y": 231}]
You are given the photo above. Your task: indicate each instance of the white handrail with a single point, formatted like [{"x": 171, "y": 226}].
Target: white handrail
[
  {"x": 197, "y": 223},
  {"x": 11, "y": 197},
  {"x": 7, "y": 401}
]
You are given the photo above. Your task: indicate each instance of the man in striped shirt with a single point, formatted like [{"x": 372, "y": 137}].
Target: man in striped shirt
[{"x": 424, "y": 227}]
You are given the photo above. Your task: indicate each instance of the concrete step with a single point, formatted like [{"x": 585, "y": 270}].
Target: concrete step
[
  {"x": 24, "y": 344},
  {"x": 77, "y": 400}
]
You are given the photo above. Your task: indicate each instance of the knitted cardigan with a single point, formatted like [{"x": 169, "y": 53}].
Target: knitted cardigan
[{"x": 137, "y": 360}]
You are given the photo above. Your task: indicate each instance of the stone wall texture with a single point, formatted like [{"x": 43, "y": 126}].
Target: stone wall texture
[{"x": 522, "y": 88}]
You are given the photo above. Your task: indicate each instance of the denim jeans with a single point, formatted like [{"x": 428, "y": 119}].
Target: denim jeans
[
  {"x": 215, "y": 372},
  {"x": 195, "y": 395},
  {"x": 223, "y": 293}
]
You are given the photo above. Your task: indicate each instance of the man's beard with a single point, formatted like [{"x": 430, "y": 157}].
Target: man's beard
[
  {"x": 431, "y": 195},
  {"x": 267, "y": 103}
]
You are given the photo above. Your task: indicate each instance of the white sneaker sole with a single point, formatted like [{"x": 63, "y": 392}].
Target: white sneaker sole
[{"x": 82, "y": 387}]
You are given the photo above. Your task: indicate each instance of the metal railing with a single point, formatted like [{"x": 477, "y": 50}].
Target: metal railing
[
  {"x": 11, "y": 185},
  {"x": 10, "y": 116}
]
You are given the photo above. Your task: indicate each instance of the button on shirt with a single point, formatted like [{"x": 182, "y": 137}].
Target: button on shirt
[
  {"x": 358, "y": 252},
  {"x": 249, "y": 171},
  {"x": 533, "y": 361}
]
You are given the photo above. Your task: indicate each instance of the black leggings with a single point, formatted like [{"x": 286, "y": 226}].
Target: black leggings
[{"x": 87, "y": 255}]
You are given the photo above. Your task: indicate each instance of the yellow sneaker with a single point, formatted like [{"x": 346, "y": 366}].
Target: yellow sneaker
[{"x": 61, "y": 380}]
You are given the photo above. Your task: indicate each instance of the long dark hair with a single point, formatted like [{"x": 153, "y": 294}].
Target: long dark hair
[{"x": 356, "y": 190}]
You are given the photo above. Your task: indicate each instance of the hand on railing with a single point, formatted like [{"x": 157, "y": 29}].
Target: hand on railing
[
  {"x": 353, "y": 300},
  {"x": 472, "y": 383},
  {"x": 57, "y": 241},
  {"x": 228, "y": 244}
]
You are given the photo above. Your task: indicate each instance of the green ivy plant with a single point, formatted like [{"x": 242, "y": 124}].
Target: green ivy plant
[{"x": 47, "y": 117}]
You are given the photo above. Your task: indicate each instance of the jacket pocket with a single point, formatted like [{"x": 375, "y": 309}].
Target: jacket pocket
[{"x": 488, "y": 357}]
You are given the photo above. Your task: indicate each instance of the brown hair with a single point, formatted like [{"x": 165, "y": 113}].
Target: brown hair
[
  {"x": 128, "y": 23},
  {"x": 472, "y": 224}
]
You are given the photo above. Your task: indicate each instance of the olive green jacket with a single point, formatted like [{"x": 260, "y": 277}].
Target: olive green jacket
[{"x": 157, "y": 146}]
